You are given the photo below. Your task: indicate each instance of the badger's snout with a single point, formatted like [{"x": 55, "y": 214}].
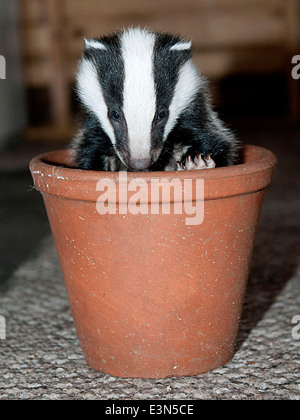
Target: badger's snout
[{"x": 141, "y": 163}]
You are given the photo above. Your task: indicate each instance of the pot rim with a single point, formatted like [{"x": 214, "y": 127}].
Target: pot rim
[{"x": 51, "y": 178}]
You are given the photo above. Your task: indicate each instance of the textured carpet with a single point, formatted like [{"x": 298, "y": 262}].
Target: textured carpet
[{"x": 41, "y": 357}]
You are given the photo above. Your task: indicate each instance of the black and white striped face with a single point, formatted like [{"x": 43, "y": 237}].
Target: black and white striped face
[{"x": 137, "y": 84}]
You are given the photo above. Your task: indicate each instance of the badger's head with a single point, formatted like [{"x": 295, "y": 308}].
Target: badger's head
[{"x": 137, "y": 84}]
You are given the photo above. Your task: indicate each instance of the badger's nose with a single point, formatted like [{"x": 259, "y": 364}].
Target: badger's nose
[{"x": 140, "y": 164}]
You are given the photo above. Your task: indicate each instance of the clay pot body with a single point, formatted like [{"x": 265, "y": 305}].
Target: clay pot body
[{"x": 151, "y": 295}]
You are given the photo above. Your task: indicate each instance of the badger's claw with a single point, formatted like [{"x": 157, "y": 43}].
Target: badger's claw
[
  {"x": 190, "y": 165},
  {"x": 209, "y": 162},
  {"x": 180, "y": 166},
  {"x": 198, "y": 163}
]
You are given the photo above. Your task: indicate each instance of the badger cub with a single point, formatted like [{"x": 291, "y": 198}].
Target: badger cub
[{"x": 146, "y": 107}]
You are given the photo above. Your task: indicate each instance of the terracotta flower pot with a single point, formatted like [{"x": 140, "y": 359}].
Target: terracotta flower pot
[{"x": 152, "y": 294}]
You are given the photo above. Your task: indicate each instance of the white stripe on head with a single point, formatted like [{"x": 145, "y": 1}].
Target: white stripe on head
[
  {"x": 139, "y": 89},
  {"x": 188, "y": 84},
  {"x": 90, "y": 92},
  {"x": 181, "y": 46},
  {"x": 91, "y": 43}
]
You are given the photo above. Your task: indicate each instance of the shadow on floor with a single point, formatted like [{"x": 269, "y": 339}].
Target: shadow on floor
[
  {"x": 23, "y": 222},
  {"x": 23, "y": 218}
]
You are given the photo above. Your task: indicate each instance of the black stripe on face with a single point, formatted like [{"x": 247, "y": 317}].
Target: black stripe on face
[
  {"x": 167, "y": 64},
  {"x": 166, "y": 68},
  {"x": 110, "y": 67},
  {"x": 111, "y": 72}
]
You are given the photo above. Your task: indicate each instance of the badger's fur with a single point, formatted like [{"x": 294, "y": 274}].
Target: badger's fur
[{"x": 146, "y": 106}]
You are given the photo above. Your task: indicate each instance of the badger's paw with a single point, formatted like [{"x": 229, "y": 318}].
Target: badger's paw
[{"x": 198, "y": 163}]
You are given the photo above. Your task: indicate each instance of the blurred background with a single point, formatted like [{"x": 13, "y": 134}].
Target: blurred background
[{"x": 244, "y": 47}]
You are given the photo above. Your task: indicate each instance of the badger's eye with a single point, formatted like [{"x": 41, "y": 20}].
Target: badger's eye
[
  {"x": 116, "y": 116},
  {"x": 161, "y": 115}
]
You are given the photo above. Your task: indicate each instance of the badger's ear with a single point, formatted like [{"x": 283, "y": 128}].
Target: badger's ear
[
  {"x": 182, "y": 46},
  {"x": 93, "y": 44}
]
